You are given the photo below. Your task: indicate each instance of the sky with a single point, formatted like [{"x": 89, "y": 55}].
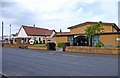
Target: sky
[{"x": 55, "y": 14}]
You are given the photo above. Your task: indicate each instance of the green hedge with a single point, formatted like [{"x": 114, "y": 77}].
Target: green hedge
[
  {"x": 99, "y": 44},
  {"x": 59, "y": 45},
  {"x": 118, "y": 46},
  {"x": 40, "y": 45}
]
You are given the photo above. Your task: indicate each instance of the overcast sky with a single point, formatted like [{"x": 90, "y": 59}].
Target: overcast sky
[{"x": 56, "y": 14}]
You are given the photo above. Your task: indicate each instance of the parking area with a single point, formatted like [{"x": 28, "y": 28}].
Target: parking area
[{"x": 28, "y": 62}]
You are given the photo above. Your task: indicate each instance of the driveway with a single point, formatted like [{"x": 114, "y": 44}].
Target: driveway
[{"x": 26, "y": 62}]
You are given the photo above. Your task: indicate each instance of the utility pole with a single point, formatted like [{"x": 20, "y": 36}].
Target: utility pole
[
  {"x": 34, "y": 36},
  {"x": 2, "y": 33},
  {"x": 119, "y": 21},
  {"x": 10, "y": 33}
]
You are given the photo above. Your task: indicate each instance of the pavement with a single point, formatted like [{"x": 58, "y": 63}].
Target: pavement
[{"x": 28, "y": 62}]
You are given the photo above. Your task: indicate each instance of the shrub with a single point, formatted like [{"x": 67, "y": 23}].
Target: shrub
[
  {"x": 118, "y": 46},
  {"x": 60, "y": 44},
  {"x": 46, "y": 44},
  {"x": 36, "y": 42},
  {"x": 40, "y": 42},
  {"x": 99, "y": 44}
]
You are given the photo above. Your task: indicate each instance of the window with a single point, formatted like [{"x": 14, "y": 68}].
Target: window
[
  {"x": 26, "y": 40},
  {"x": 43, "y": 41},
  {"x": 39, "y": 39},
  {"x": 34, "y": 38},
  {"x": 22, "y": 40},
  {"x": 15, "y": 40}
]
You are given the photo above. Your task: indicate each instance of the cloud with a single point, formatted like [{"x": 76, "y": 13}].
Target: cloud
[
  {"x": 56, "y": 14},
  {"x": 110, "y": 10}
]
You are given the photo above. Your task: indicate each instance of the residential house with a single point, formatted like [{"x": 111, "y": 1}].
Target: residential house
[
  {"x": 40, "y": 35},
  {"x": 8, "y": 39},
  {"x": 5, "y": 39},
  {"x": 62, "y": 37}
]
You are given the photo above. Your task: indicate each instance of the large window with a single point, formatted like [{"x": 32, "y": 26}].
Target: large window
[
  {"x": 95, "y": 39},
  {"x": 80, "y": 41}
]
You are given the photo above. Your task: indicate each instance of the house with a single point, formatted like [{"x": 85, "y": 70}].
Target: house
[
  {"x": 6, "y": 39},
  {"x": 62, "y": 37},
  {"x": 77, "y": 37},
  {"x": 40, "y": 35}
]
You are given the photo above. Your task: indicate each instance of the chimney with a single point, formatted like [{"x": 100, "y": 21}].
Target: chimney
[
  {"x": 34, "y": 25},
  {"x": 60, "y": 31}
]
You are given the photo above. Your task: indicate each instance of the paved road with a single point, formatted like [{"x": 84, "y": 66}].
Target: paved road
[{"x": 26, "y": 62}]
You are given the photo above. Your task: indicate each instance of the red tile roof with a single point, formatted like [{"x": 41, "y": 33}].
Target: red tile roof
[
  {"x": 35, "y": 31},
  {"x": 62, "y": 33}
]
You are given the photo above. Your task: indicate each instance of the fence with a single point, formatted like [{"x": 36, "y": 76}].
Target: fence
[{"x": 96, "y": 50}]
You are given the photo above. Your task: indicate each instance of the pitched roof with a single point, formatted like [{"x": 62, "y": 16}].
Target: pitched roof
[
  {"x": 62, "y": 33},
  {"x": 35, "y": 31},
  {"x": 85, "y": 23},
  {"x": 96, "y": 34},
  {"x": 14, "y": 34}
]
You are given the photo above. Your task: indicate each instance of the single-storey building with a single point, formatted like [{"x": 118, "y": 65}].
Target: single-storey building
[
  {"x": 110, "y": 35},
  {"x": 62, "y": 37},
  {"x": 40, "y": 35}
]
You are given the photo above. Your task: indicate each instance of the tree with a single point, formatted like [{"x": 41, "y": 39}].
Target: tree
[{"x": 92, "y": 30}]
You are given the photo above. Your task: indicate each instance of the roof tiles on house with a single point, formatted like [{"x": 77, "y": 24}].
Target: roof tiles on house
[
  {"x": 62, "y": 33},
  {"x": 35, "y": 31}
]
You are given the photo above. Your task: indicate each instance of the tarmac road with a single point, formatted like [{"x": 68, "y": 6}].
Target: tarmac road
[{"x": 26, "y": 62}]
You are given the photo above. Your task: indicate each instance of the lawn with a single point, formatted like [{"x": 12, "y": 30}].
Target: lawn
[{"x": 39, "y": 44}]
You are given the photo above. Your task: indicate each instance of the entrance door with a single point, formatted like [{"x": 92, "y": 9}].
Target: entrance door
[{"x": 80, "y": 41}]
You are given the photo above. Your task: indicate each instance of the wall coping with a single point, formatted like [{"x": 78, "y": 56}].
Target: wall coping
[{"x": 93, "y": 47}]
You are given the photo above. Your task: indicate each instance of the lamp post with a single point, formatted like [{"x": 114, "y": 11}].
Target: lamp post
[{"x": 2, "y": 33}]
